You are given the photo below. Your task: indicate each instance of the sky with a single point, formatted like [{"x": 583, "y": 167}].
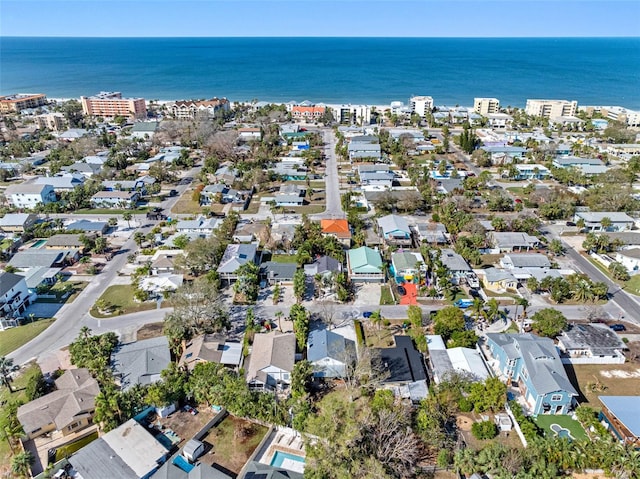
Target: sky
[{"x": 318, "y": 18}]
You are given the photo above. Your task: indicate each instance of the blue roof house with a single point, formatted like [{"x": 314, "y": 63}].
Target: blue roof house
[
  {"x": 394, "y": 230},
  {"x": 534, "y": 364},
  {"x": 329, "y": 353},
  {"x": 364, "y": 264}
]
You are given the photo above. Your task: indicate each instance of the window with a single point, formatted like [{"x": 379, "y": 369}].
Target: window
[{"x": 556, "y": 397}]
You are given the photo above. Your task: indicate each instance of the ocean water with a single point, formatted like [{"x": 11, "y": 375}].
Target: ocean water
[{"x": 331, "y": 70}]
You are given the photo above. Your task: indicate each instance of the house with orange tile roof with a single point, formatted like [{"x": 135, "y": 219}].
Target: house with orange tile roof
[
  {"x": 307, "y": 113},
  {"x": 338, "y": 228}
]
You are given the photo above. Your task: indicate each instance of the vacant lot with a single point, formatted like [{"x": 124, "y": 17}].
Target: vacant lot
[
  {"x": 120, "y": 300},
  {"x": 233, "y": 441},
  {"x": 151, "y": 330},
  {"x": 464, "y": 421},
  {"x": 13, "y": 338},
  {"x": 593, "y": 380}
]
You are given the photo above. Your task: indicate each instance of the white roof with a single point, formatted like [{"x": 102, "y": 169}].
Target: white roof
[{"x": 468, "y": 360}]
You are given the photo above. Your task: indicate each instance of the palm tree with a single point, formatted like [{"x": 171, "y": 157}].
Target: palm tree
[
  {"x": 492, "y": 313},
  {"x": 85, "y": 332},
  {"x": 606, "y": 223},
  {"x": 477, "y": 306},
  {"x": 6, "y": 364},
  {"x": 127, "y": 217},
  {"x": 21, "y": 463},
  {"x": 582, "y": 292},
  {"x": 279, "y": 315}
]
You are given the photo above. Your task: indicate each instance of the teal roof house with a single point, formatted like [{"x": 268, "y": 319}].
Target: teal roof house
[{"x": 364, "y": 264}]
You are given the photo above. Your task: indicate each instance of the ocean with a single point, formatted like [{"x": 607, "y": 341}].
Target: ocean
[{"x": 594, "y": 71}]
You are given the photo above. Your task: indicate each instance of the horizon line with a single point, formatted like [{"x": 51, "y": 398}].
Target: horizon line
[{"x": 331, "y": 36}]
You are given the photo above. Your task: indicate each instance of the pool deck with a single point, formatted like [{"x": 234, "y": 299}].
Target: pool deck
[{"x": 282, "y": 439}]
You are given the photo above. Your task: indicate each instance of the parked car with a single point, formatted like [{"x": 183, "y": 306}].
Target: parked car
[
  {"x": 618, "y": 327},
  {"x": 463, "y": 303},
  {"x": 367, "y": 314}
]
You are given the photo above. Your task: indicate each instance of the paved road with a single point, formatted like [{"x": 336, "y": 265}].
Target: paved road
[
  {"x": 332, "y": 193},
  {"x": 73, "y": 316}
]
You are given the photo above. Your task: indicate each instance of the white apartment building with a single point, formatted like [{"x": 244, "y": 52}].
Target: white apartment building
[
  {"x": 486, "y": 106},
  {"x": 551, "y": 108},
  {"x": 421, "y": 105},
  {"x": 621, "y": 114},
  {"x": 352, "y": 114},
  {"x": 29, "y": 195}
]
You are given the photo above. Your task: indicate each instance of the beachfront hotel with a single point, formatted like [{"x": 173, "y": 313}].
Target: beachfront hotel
[
  {"x": 111, "y": 104},
  {"x": 551, "y": 108},
  {"x": 21, "y": 101},
  {"x": 486, "y": 106},
  {"x": 421, "y": 105}
]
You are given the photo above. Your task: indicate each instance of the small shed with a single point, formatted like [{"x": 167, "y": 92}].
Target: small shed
[
  {"x": 193, "y": 450},
  {"x": 503, "y": 421}
]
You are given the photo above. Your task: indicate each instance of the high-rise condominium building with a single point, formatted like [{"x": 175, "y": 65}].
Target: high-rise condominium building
[
  {"x": 111, "y": 104},
  {"x": 486, "y": 106},
  {"x": 21, "y": 101},
  {"x": 421, "y": 105},
  {"x": 551, "y": 108}
]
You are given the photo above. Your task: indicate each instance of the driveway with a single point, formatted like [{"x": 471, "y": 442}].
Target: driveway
[{"x": 42, "y": 310}]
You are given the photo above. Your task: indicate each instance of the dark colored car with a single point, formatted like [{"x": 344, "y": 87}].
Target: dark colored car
[
  {"x": 173, "y": 193},
  {"x": 570, "y": 223},
  {"x": 618, "y": 327},
  {"x": 367, "y": 314},
  {"x": 401, "y": 290}
]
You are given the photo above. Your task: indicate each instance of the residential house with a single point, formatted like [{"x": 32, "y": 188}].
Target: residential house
[
  {"x": 194, "y": 109},
  {"x": 66, "y": 241},
  {"x": 41, "y": 257},
  {"x": 211, "y": 348},
  {"x": 364, "y": 148},
  {"x": 630, "y": 259},
  {"x": 218, "y": 193},
  {"x": 407, "y": 374},
  {"x": 66, "y": 410},
  {"x": 508, "y": 242},
  {"x": 274, "y": 272},
  {"x": 324, "y": 266},
  {"x": 365, "y": 265},
  {"x": 250, "y": 231},
  {"x": 338, "y": 228},
  {"x": 499, "y": 120},
  {"x": 128, "y": 452},
  {"x": 30, "y": 195},
  {"x": 592, "y": 344},
  {"x": 163, "y": 260},
  {"x": 575, "y": 162},
  {"x": 201, "y": 226},
  {"x": 618, "y": 221},
  {"x": 249, "y": 134},
  {"x": 140, "y": 362},
  {"x": 61, "y": 182},
  {"x": 271, "y": 360},
  {"x": 534, "y": 364},
  {"x": 407, "y": 266},
  {"x": 290, "y": 195},
  {"x": 409, "y": 133},
  {"x": 144, "y": 129},
  {"x": 159, "y": 284},
  {"x": 457, "y": 266},
  {"x": 115, "y": 199},
  {"x": 525, "y": 260},
  {"x": 432, "y": 233},
  {"x": 307, "y": 113},
  {"x": 394, "y": 230},
  {"x": 620, "y": 416},
  {"x": 226, "y": 174},
  {"x": 235, "y": 256},
  {"x": 447, "y": 186},
  {"x": 498, "y": 280},
  {"x": 502, "y": 155},
  {"x": 14, "y": 295},
  {"x": 89, "y": 227},
  {"x": 329, "y": 353},
  {"x": 257, "y": 470},
  {"x": 532, "y": 172},
  {"x": 140, "y": 184},
  {"x": 39, "y": 276},
  {"x": 443, "y": 362},
  {"x": 17, "y": 222}
]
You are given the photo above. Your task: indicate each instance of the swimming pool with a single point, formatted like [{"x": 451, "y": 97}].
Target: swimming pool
[
  {"x": 183, "y": 464},
  {"x": 288, "y": 461},
  {"x": 39, "y": 243}
]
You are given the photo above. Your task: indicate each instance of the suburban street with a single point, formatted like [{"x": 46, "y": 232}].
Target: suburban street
[{"x": 332, "y": 192}]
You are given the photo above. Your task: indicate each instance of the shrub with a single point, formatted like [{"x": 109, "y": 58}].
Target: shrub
[
  {"x": 484, "y": 430},
  {"x": 445, "y": 458},
  {"x": 465, "y": 405}
]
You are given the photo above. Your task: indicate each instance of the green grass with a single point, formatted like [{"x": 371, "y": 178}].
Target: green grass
[
  {"x": 544, "y": 421},
  {"x": 13, "y": 338},
  {"x": 308, "y": 209},
  {"x": 515, "y": 189},
  {"x": 18, "y": 385},
  {"x": 283, "y": 258},
  {"x": 633, "y": 285},
  {"x": 66, "y": 451},
  {"x": 120, "y": 297},
  {"x": 385, "y": 295}
]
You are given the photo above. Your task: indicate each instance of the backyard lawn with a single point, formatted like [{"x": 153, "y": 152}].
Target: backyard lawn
[
  {"x": 13, "y": 338},
  {"x": 284, "y": 258},
  {"x": 18, "y": 385},
  {"x": 544, "y": 422},
  {"x": 234, "y": 440},
  {"x": 120, "y": 299},
  {"x": 186, "y": 205}
]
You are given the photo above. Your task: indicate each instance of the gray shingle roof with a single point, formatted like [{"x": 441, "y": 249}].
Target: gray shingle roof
[
  {"x": 8, "y": 281},
  {"x": 391, "y": 223},
  {"x": 235, "y": 256},
  {"x": 278, "y": 271},
  {"x": 141, "y": 362},
  {"x": 599, "y": 338},
  {"x": 453, "y": 261},
  {"x": 327, "y": 344},
  {"x": 533, "y": 260}
]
